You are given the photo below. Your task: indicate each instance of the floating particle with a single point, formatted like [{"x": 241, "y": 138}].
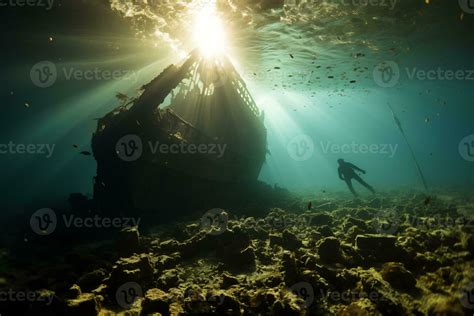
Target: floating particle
[
  {"x": 12, "y": 93},
  {"x": 50, "y": 39},
  {"x": 75, "y": 146},
  {"x": 27, "y": 104},
  {"x": 427, "y": 120},
  {"x": 86, "y": 153},
  {"x": 292, "y": 57}
]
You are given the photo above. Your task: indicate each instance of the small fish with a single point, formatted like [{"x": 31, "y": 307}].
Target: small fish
[
  {"x": 353, "y": 81},
  {"x": 75, "y": 146},
  {"x": 86, "y": 153},
  {"x": 292, "y": 57},
  {"x": 277, "y": 67},
  {"x": 310, "y": 206}
]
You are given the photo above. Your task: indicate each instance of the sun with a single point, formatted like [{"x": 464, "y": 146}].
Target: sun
[{"x": 209, "y": 34}]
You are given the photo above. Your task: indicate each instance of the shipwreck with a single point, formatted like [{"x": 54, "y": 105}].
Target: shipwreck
[{"x": 155, "y": 151}]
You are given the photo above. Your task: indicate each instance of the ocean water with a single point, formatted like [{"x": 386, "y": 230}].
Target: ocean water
[
  {"x": 386, "y": 85},
  {"x": 309, "y": 65}
]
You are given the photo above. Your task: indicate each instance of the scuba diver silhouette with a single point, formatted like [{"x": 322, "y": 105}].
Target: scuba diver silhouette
[{"x": 347, "y": 173}]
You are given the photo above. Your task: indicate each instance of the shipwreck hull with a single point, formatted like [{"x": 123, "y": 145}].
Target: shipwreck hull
[{"x": 182, "y": 108}]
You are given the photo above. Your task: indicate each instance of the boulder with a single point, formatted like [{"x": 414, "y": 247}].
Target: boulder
[
  {"x": 378, "y": 247},
  {"x": 329, "y": 249},
  {"x": 155, "y": 301},
  {"x": 128, "y": 242},
  {"x": 228, "y": 280},
  {"x": 92, "y": 280},
  {"x": 398, "y": 276},
  {"x": 85, "y": 304}
]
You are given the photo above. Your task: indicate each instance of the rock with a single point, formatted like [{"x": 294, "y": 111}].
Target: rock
[
  {"x": 169, "y": 279},
  {"x": 287, "y": 304},
  {"x": 426, "y": 262},
  {"x": 382, "y": 295},
  {"x": 86, "y": 304},
  {"x": 176, "y": 309},
  {"x": 379, "y": 247},
  {"x": 137, "y": 268},
  {"x": 320, "y": 219},
  {"x": 290, "y": 241},
  {"x": 329, "y": 249},
  {"x": 325, "y": 231},
  {"x": 352, "y": 221},
  {"x": 246, "y": 257},
  {"x": 155, "y": 301},
  {"x": 275, "y": 240},
  {"x": 399, "y": 277},
  {"x": 128, "y": 242},
  {"x": 92, "y": 280},
  {"x": 229, "y": 280},
  {"x": 166, "y": 262},
  {"x": 290, "y": 270},
  {"x": 440, "y": 305},
  {"x": 362, "y": 307},
  {"x": 225, "y": 304},
  {"x": 467, "y": 242},
  {"x": 73, "y": 292},
  {"x": 375, "y": 203},
  {"x": 170, "y": 246}
]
